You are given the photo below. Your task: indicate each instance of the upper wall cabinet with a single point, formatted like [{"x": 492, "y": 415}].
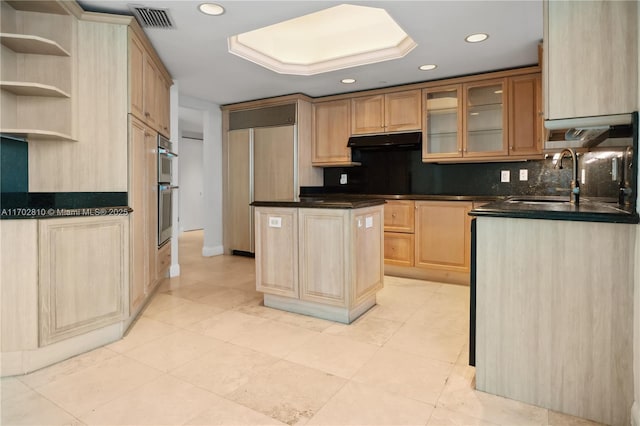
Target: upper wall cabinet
[
  {"x": 525, "y": 115},
  {"x": 494, "y": 119},
  {"x": 390, "y": 112},
  {"x": 590, "y": 58},
  {"x": 148, "y": 87},
  {"x": 38, "y": 48},
  {"x": 331, "y": 132}
]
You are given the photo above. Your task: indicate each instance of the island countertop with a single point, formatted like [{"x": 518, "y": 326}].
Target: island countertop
[{"x": 323, "y": 203}]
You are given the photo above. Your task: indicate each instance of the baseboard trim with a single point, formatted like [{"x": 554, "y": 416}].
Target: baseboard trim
[
  {"x": 635, "y": 414},
  {"x": 174, "y": 270},
  {"x": 212, "y": 251}
]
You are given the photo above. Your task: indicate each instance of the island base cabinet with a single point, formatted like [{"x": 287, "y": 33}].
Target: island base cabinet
[
  {"x": 276, "y": 251},
  {"x": 326, "y": 263},
  {"x": 554, "y": 315},
  {"x": 83, "y": 275}
]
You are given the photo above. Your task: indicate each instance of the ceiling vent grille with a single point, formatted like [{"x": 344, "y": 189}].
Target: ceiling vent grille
[{"x": 152, "y": 18}]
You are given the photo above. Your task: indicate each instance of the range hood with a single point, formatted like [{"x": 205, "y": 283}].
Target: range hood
[
  {"x": 587, "y": 132},
  {"x": 411, "y": 140}
]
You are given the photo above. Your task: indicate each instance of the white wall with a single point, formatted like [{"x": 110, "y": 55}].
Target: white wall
[
  {"x": 211, "y": 172},
  {"x": 191, "y": 184}
]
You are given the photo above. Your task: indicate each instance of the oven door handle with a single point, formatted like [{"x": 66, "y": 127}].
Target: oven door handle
[
  {"x": 167, "y": 187},
  {"x": 163, "y": 151}
]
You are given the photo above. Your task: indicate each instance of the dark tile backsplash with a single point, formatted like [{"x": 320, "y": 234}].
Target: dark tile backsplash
[
  {"x": 403, "y": 172},
  {"x": 14, "y": 165}
]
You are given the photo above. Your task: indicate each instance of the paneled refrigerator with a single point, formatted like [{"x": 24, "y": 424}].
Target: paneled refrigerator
[{"x": 261, "y": 165}]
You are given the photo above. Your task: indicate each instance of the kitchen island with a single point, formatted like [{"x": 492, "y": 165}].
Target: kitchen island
[
  {"x": 317, "y": 257},
  {"x": 554, "y": 305}
]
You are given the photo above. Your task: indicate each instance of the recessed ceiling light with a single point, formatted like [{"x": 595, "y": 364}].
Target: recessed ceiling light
[
  {"x": 475, "y": 38},
  {"x": 497, "y": 91},
  {"x": 211, "y": 9},
  {"x": 428, "y": 67},
  {"x": 348, "y": 80}
]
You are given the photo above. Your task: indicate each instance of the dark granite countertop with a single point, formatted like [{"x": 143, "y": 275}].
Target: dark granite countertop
[
  {"x": 51, "y": 213},
  {"x": 556, "y": 208},
  {"x": 47, "y": 205},
  {"x": 416, "y": 197},
  {"x": 323, "y": 203}
]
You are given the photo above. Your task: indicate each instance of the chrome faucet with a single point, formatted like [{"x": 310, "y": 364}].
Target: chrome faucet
[
  {"x": 574, "y": 196},
  {"x": 624, "y": 194}
]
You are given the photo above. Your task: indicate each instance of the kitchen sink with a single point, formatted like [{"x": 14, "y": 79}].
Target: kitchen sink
[{"x": 542, "y": 199}]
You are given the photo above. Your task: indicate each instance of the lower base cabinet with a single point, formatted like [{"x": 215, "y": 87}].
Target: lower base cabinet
[
  {"x": 321, "y": 262},
  {"x": 83, "y": 275},
  {"x": 434, "y": 242},
  {"x": 443, "y": 235}
]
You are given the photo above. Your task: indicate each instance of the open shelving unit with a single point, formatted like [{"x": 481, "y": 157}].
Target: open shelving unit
[
  {"x": 25, "y": 43},
  {"x": 37, "y": 86}
]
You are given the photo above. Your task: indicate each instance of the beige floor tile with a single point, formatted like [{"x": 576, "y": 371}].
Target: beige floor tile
[
  {"x": 408, "y": 375},
  {"x": 197, "y": 291},
  {"x": 368, "y": 329},
  {"x": 288, "y": 392},
  {"x": 161, "y": 302},
  {"x": 459, "y": 395},
  {"x": 10, "y": 387},
  {"x": 66, "y": 368},
  {"x": 260, "y": 311},
  {"x": 143, "y": 331},
  {"x": 163, "y": 401},
  {"x": 358, "y": 404},
  {"x": 560, "y": 419},
  {"x": 226, "y": 325},
  {"x": 274, "y": 338},
  {"x": 225, "y": 413},
  {"x": 172, "y": 351},
  {"x": 444, "y": 417},
  {"x": 304, "y": 321},
  {"x": 393, "y": 312},
  {"x": 335, "y": 355},
  {"x": 30, "y": 408},
  {"x": 230, "y": 298},
  {"x": 431, "y": 344},
  {"x": 185, "y": 314},
  {"x": 79, "y": 393},
  {"x": 440, "y": 320},
  {"x": 224, "y": 369}
]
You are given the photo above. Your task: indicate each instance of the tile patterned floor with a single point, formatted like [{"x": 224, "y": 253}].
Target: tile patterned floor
[{"x": 206, "y": 352}]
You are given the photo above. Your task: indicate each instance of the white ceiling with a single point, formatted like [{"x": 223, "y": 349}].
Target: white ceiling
[{"x": 196, "y": 55}]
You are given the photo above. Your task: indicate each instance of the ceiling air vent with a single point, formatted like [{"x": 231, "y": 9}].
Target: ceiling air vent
[{"x": 152, "y": 18}]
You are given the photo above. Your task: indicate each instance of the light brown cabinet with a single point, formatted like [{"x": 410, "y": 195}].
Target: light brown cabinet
[
  {"x": 389, "y": 112},
  {"x": 143, "y": 219},
  {"x": 495, "y": 119},
  {"x": 320, "y": 262},
  {"x": 148, "y": 87},
  {"x": 399, "y": 248},
  {"x": 83, "y": 275},
  {"x": 587, "y": 75},
  {"x": 428, "y": 235},
  {"x": 485, "y": 119},
  {"x": 399, "y": 222},
  {"x": 38, "y": 105},
  {"x": 443, "y": 235},
  {"x": 331, "y": 124},
  {"x": 277, "y": 251},
  {"x": 525, "y": 115}
]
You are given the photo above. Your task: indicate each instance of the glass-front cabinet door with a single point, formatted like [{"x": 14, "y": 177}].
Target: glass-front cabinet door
[
  {"x": 485, "y": 121},
  {"x": 442, "y": 137}
]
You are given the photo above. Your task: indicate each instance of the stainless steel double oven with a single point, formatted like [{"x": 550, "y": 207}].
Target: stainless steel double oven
[{"x": 165, "y": 189}]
